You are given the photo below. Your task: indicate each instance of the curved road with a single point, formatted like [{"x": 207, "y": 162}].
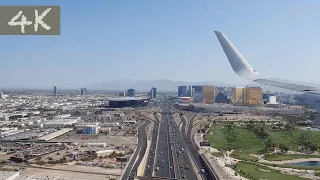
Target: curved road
[
  {"x": 193, "y": 150},
  {"x": 131, "y": 169},
  {"x": 149, "y": 169}
]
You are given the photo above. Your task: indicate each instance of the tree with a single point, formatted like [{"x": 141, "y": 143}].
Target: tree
[
  {"x": 261, "y": 133},
  {"x": 304, "y": 141},
  {"x": 283, "y": 148},
  {"x": 250, "y": 125},
  {"x": 231, "y": 133},
  {"x": 41, "y": 163},
  {"x": 312, "y": 147}
]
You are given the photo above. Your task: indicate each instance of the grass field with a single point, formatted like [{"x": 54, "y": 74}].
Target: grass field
[
  {"x": 247, "y": 143},
  {"x": 254, "y": 171}
]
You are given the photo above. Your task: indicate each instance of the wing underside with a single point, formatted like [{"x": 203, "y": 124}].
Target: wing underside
[{"x": 243, "y": 69}]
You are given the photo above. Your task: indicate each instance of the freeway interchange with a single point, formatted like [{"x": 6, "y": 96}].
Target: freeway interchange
[{"x": 172, "y": 154}]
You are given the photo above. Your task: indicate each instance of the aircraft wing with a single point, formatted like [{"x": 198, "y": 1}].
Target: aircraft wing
[{"x": 243, "y": 69}]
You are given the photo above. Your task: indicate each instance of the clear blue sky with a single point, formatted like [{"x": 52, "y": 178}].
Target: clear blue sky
[{"x": 104, "y": 40}]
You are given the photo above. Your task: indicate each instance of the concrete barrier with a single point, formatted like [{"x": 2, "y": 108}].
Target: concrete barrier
[
  {"x": 208, "y": 166},
  {"x": 142, "y": 166}
]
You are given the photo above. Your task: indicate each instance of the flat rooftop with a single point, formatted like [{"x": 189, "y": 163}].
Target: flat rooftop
[
  {"x": 55, "y": 134},
  {"x": 128, "y": 99}
]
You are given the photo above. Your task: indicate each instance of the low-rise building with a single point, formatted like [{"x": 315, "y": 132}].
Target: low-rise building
[{"x": 91, "y": 129}]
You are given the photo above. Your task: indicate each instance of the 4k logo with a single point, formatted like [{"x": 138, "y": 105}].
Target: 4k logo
[
  {"x": 38, "y": 20},
  {"x": 29, "y": 20}
]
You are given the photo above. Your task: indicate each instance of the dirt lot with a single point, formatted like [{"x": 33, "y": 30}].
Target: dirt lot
[
  {"x": 81, "y": 138},
  {"x": 66, "y": 175}
]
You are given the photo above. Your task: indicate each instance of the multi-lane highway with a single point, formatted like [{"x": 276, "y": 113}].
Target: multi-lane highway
[
  {"x": 183, "y": 164},
  {"x": 192, "y": 149},
  {"x": 151, "y": 159},
  {"x": 164, "y": 163},
  {"x": 171, "y": 158},
  {"x": 131, "y": 169},
  {"x": 170, "y": 150}
]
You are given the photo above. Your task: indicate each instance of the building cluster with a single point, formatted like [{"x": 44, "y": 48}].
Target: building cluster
[
  {"x": 132, "y": 93},
  {"x": 252, "y": 96},
  {"x": 208, "y": 94},
  {"x": 82, "y": 91},
  {"x": 37, "y": 127}
]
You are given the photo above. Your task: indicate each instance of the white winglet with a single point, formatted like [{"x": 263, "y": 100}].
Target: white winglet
[{"x": 242, "y": 68}]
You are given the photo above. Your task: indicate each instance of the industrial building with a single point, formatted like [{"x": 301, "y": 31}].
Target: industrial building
[
  {"x": 25, "y": 134},
  {"x": 110, "y": 124},
  {"x": 208, "y": 94},
  {"x": 61, "y": 123},
  {"x": 91, "y": 129},
  {"x": 128, "y": 102},
  {"x": 114, "y": 116},
  {"x": 54, "y": 134},
  {"x": 247, "y": 96}
]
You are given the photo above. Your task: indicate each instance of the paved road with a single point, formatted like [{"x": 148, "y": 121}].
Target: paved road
[
  {"x": 163, "y": 152},
  {"x": 131, "y": 170},
  {"x": 151, "y": 159},
  {"x": 192, "y": 149},
  {"x": 183, "y": 164},
  {"x": 171, "y": 155}
]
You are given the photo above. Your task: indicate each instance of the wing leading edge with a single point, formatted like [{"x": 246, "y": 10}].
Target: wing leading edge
[{"x": 243, "y": 69}]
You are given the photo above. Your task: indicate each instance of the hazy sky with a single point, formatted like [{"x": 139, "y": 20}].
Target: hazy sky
[{"x": 164, "y": 39}]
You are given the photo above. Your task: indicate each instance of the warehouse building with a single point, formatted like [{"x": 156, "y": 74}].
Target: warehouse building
[
  {"x": 55, "y": 134},
  {"x": 114, "y": 116},
  {"x": 61, "y": 123}
]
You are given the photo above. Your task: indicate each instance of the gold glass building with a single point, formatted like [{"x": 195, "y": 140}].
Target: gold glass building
[
  {"x": 247, "y": 96},
  {"x": 208, "y": 94}
]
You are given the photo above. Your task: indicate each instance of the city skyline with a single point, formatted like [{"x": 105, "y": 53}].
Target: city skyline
[{"x": 166, "y": 35}]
